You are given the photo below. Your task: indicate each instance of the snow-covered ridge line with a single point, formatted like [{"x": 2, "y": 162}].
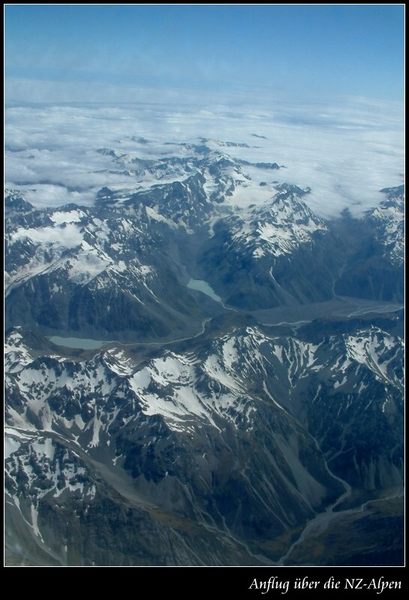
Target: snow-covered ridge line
[{"x": 191, "y": 386}]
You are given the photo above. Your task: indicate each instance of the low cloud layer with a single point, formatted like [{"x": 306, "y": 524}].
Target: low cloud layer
[{"x": 344, "y": 152}]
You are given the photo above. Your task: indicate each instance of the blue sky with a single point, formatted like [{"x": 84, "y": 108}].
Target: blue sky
[{"x": 306, "y": 51}]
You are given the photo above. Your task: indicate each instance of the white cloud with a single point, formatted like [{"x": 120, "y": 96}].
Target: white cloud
[
  {"x": 346, "y": 152},
  {"x": 43, "y": 196}
]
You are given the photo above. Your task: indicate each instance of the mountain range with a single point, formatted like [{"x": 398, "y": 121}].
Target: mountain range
[{"x": 200, "y": 370}]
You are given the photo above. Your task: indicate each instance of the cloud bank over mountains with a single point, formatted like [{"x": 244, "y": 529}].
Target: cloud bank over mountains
[{"x": 345, "y": 152}]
